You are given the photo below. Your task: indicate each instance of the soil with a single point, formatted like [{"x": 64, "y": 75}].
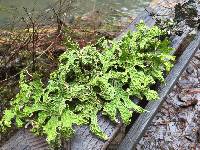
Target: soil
[{"x": 177, "y": 124}]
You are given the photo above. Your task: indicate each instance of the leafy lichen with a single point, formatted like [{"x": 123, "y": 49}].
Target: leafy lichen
[{"x": 91, "y": 80}]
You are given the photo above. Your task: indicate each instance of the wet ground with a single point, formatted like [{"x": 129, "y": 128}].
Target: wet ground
[{"x": 177, "y": 124}]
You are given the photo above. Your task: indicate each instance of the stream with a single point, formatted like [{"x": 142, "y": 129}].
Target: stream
[{"x": 111, "y": 10}]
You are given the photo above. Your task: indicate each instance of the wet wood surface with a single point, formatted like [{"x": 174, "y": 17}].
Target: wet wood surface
[
  {"x": 144, "y": 120},
  {"x": 83, "y": 138}
]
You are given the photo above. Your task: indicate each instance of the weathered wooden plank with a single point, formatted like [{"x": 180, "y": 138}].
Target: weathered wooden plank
[
  {"x": 137, "y": 130},
  {"x": 25, "y": 140},
  {"x": 83, "y": 138}
]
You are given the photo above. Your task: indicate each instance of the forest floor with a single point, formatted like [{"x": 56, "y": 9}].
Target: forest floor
[{"x": 177, "y": 125}]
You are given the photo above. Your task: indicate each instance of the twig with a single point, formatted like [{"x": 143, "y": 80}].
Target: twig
[
  {"x": 50, "y": 46},
  {"x": 115, "y": 132},
  {"x": 33, "y": 38}
]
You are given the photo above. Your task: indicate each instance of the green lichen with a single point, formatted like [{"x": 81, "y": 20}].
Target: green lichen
[{"x": 94, "y": 79}]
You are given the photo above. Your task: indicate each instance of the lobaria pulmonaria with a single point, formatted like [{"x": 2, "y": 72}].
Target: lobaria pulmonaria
[{"x": 97, "y": 78}]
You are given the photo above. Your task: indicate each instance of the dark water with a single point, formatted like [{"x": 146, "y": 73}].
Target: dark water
[{"x": 12, "y": 10}]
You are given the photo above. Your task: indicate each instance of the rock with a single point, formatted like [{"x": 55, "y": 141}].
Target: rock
[{"x": 124, "y": 9}]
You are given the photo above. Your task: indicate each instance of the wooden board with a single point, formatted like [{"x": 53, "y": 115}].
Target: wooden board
[
  {"x": 83, "y": 139},
  {"x": 138, "y": 128}
]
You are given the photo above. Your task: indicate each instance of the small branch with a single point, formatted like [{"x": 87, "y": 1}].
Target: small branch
[
  {"x": 115, "y": 132},
  {"x": 48, "y": 48}
]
